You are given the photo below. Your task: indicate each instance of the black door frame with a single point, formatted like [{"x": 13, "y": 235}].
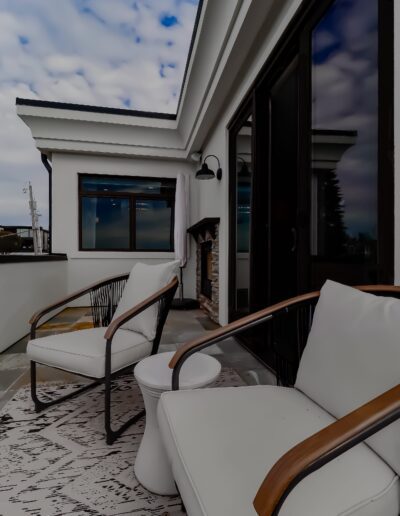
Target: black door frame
[
  {"x": 296, "y": 35},
  {"x": 240, "y": 120}
]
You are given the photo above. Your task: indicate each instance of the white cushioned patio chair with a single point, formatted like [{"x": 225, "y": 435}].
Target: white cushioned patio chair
[
  {"x": 129, "y": 312},
  {"x": 329, "y": 445}
]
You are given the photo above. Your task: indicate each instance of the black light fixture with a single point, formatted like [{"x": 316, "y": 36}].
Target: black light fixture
[
  {"x": 244, "y": 172},
  {"x": 206, "y": 173}
]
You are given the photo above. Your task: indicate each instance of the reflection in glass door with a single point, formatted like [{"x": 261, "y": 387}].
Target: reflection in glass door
[
  {"x": 243, "y": 208},
  {"x": 344, "y": 182},
  {"x": 317, "y": 202}
]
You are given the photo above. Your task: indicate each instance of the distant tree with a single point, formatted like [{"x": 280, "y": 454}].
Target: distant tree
[
  {"x": 9, "y": 242},
  {"x": 335, "y": 229}
]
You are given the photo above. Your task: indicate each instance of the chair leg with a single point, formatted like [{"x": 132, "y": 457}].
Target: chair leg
[
  {"x": 112, "y": 435},
  {"x": 41, "y": 405}
]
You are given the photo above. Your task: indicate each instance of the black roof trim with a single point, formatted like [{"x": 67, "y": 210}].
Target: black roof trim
[{"x": 93, "y": 109}]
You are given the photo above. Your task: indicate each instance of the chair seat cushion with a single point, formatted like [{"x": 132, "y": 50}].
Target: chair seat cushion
[
  {"x": 221, "y": 443},
  {"x": 83, "y": 352}
]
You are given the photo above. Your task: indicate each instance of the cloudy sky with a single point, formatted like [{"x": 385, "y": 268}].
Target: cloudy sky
[
  {"x": 345, "y": 97},
  {"x": 118, "y": 53}
]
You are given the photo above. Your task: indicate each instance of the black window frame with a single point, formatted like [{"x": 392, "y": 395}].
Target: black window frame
[{"x": 133, "y": 198}]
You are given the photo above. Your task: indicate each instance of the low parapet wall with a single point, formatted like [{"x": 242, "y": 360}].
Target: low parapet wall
[{"x": 27, "y": 283}]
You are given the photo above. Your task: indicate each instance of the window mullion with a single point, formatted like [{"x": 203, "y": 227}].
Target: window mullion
[{"x": 133, "y": 222}]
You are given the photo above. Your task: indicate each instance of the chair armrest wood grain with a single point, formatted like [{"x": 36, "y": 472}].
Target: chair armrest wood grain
[
  {"x": 75, "y": 295},
  {"x": 324, "y": 446},
  {"x": 136, "y": 310}
]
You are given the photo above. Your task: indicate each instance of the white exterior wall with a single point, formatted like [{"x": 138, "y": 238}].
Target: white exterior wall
[
  {"x": 215, "y": 199},
  {"x": 85, "y": 267},
  {"x": 25, "y": 288}
]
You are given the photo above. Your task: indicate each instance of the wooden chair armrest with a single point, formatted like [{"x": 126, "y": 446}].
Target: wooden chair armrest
[
  {"x": 322, "y": 447},
  {"x": 136, "y": 310},
  {"x": 232, "y": 329},
  {"x": 75, "y": 295}
]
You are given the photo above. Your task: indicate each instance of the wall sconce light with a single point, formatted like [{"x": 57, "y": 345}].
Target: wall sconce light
[
  {"x": 244, "y": 172},
  {"x": 207, "y": 173}
]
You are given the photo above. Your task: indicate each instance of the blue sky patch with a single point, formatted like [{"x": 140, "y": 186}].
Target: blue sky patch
[
  {"x": 169, "y": 20},
  {"x": 23, "y": 40}
]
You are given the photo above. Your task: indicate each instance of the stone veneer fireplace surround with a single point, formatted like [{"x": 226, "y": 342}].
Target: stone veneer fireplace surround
[{"x": 206, "y": 234}]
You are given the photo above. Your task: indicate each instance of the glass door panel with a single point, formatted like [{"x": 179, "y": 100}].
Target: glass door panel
[
  {"x": 243, "y": 215},
  {"x": 344, "y": 178}
]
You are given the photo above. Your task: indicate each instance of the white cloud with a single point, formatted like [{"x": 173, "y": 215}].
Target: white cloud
[{"x": 113, "y": 53}]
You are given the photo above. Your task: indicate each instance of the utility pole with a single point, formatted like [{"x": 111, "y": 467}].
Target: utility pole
[{"x": 37, "y": 238}]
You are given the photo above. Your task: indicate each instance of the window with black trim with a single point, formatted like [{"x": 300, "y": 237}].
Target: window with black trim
[{"x": 123, "y": 213}]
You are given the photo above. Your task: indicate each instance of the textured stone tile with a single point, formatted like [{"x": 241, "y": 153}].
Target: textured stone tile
[
  {"x": 9, "y": 377},
  {"x": 181, "y": 327},
  {"x": 54, "y": 325},
  {"x": 13, "y": 361},
  {"x": 18, "y": 347},
  {"x": 206, "y": 323},
  {"x": 165, "y": 348},
  {"x": 261, "y": 376},
  {"x": 48, "y": 374}
]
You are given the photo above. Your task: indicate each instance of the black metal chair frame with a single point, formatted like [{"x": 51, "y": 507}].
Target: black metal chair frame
[{"x": 105, "y": 296}]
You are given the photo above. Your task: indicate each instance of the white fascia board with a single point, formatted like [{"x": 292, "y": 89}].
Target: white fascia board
[
  {"x": 217, "y": 29},
  {"x": 106, "y": 149},
  {"x": 254, "y": 30},
  {"x": 54, "y": 134}
]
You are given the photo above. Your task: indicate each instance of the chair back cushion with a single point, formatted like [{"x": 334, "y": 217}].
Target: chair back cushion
[
  {"x": 144, "y": 281},
  {"x": 353, "y": 355}
]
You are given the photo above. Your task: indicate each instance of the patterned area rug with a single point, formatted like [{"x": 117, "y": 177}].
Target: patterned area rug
[{"x": 57, "y": 463}]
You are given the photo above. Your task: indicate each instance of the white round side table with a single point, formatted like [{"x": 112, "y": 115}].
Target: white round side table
[{"x": 154, "y": 377}]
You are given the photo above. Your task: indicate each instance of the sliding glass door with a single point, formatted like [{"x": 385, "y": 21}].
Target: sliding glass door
[{"x": 315, "y": 201}]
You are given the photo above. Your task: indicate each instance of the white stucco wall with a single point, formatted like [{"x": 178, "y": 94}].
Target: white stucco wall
[
  {"x": 25, "y": 288},
  {"x": 87, "y": 267},
  {"x": 214, "y": 199}
]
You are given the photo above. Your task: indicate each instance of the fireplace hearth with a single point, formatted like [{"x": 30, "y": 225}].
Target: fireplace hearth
[{"x": 206, "y": 234}]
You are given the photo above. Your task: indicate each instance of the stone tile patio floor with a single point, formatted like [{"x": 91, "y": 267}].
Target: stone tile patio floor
[{"x": 180, "y": 327}]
